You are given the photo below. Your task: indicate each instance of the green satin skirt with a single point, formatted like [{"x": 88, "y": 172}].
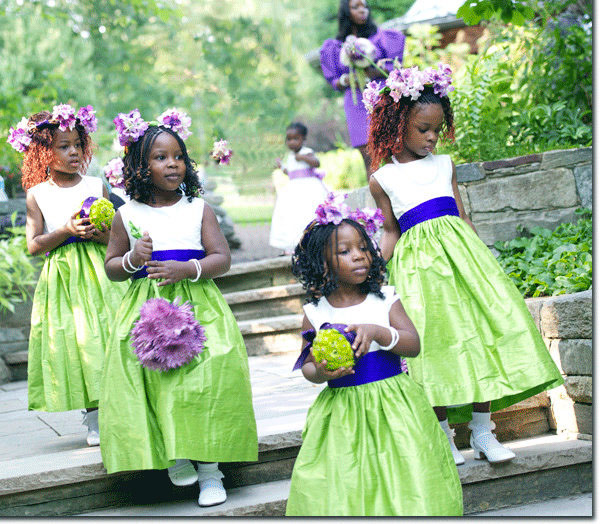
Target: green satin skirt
[
  {"x": 478, "y": 340},
  {"x": 374, "y": 450},
  {"x": 200, "y": 411},
  {"x": 74, "y": 306}
]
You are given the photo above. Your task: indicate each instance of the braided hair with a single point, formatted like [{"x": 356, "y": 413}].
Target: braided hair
[
  {"x": 389, "y": 121},
  {"x": 136, "y": 172},
  {"x": 308, "y": 261},
  {"x": 39, "y": 155}
]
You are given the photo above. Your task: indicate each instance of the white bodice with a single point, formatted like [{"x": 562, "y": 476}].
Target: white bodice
[
  {"x": 291, "y": 164},
  {"x": 373, "y": 310},
  {"x": 172, "y": 227},
  {"x": 410, "y": 184},
  {"x": 59, "y": 203}
]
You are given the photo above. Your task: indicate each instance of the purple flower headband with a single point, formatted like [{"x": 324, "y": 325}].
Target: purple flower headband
[
  {"x": 334, "y": 210},
  {"x": 113, "y": 171},
  {"x": 131, "y": 126},
  {"x": 64, "y": 115},
  {"x": 221, "y": 153},
  {"x": 409, "y": 82}
]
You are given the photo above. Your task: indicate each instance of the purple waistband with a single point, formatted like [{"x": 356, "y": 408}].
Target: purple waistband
[
  {"x": 434, "y": 208},
  {"x": 374, "y": 366},
  {"x": 181, "y": 255},
  {"x": 69, "y": 240},
  {"x": 306, "y": 173}
]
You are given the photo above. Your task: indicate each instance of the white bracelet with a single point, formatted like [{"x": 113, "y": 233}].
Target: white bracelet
[
  {"x": 125, "y": 260},
  {"x": 345, "y": 80},
  {"x": 395, "y": 338},
  {"x": 198, "y": 270}
]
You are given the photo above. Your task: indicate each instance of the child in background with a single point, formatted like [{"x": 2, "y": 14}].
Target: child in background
[
  {"x": 372, "y": 445},
  {"x": 297, "y": 201},
  {"x": 201, "y": 411},
  {"x": 480, "y": 349},
  {"x": 74, "y": 303}
]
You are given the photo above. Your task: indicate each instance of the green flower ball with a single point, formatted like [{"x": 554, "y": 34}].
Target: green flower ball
[
  {"x": 102, "y": 213},
  {"x": 332, "y": 346}
]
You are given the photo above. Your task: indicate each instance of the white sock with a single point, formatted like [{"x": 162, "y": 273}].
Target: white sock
[
  {"x": 444, "y": 424},
  {"x": 481, "y": 418},
  {"x": 210, "y": 470}
]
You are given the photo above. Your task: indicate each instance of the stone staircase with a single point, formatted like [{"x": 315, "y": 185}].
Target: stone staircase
[{"x": 69, "y": 479}]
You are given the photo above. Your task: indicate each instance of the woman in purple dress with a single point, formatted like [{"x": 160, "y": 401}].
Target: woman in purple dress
[{"x": 354, "y": 18}]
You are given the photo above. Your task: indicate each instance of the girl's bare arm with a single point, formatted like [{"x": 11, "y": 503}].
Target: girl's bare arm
[{"x": 391, "y": 229}]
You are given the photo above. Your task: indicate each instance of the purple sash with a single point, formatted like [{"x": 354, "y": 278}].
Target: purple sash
[
  {"x": 434, "y": 208},
  {"x": 374, "y": 366},
  {"x": 181, "y": 255},
  {"x": 69, "y": 240},
  {"x": 306, "y": 173}
]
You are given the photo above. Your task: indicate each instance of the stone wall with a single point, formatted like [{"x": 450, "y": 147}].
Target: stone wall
[
  {"x": 565, "y": 323},
  {"x": 534, "y": 190}
]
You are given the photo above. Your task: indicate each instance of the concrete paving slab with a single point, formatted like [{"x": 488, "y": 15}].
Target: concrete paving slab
[{"x": 575, "y": 506}]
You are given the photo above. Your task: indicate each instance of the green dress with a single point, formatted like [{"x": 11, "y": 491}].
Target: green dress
[
  {"x": 478, "y": 340},
  {"x": 373, "y": 449},
  {"x": 74, "y": 305},
  {"x": 199, "y": 411}
]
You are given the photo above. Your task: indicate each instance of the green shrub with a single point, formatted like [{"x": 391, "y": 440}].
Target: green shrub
[
  {"x": 17, "y": 270},
  {"x": 344, "y": 169},
  {"x": 550, "y": 262}
]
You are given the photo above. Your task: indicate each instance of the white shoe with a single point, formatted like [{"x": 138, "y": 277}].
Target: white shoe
[
  {"x": 458, "y": 458},
  {"x": 485, "y": 444},
  {"x": 182, "y": 473},
  {"x": 212, "y": 491},
  {"x": 90, "y": 419}
]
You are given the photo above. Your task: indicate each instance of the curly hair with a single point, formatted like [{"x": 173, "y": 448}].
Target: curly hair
[
  {"x": 308, "y": 261},
  {"x": 298, "y": 126},
  {"x": 136, "y": 173},
  {"x": 345, "y": 23},
  {"x": 389, "y": 121},
  {"x": 39, "y": 155}
]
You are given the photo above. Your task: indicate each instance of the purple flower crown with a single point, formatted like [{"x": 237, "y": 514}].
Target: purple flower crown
[
  {"x": 333, "y": 210},
  {"x": 409, "y": 82},
  {"x": 64, "y": 115},
  {"x": 131, "y": 126}
]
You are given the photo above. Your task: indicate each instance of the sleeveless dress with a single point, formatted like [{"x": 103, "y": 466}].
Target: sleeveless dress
[
  {"x": 388, "y": 44},
  {"x": 374, "y": 449},
  {"x": 478, "y": 339},
  {"x": 296, "y": 202},
  {"x": 74, "y": 306},
  {"x": 199, "y": 411}
]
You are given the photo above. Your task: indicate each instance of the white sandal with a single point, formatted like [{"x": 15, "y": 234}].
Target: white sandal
[
  {"x": 212, "y": 491},
  {"x": 182, "y": 473},
  {"x": 485, "y": 444}
]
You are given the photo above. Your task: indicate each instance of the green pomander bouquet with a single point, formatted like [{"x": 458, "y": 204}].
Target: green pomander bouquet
[
  {"x": 332, "y": 346},
  {"x": 100, "y": 211}
]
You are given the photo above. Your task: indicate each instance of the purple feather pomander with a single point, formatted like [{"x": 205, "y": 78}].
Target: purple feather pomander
[{"x": 167, "y": 335}]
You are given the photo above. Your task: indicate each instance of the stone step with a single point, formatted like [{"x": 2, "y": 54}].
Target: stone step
[
  {"x": 266, "y": 302},
  {"x": 70, "y": 481},
  {"x": 256, "y": 274},
  {"x": 278, "y": 334},
  {"x": 546, "y": 467},
  {"x": 17, "y": 363}
]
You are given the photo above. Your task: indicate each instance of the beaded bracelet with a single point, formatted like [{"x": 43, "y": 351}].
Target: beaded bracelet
[
  {"x": 395, "y": 338},
  {"x": 198, "y": 270},
  {"x": 125, "y": 260}
]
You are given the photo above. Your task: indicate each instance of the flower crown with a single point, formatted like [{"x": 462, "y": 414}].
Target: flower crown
[
  {"x": 409, "y": 82},
  {"x": 333, "y": 210},
  {"x": 64, "y": 115},
  {"x": 131, "y": 126}
]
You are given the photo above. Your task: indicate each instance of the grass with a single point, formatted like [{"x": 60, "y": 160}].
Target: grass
[{"x": 257, "y": 213}]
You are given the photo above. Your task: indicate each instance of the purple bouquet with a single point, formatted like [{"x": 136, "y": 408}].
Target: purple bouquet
[{"x": 167, "y": 335}]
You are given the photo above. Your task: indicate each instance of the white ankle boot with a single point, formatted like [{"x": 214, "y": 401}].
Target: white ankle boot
[
  {"x": 90, "y": 419},
  {"x": 182, "y": 473},
  {"x": 458, "y": 458},
  {"x": 484, "y": 442},
  {"x": 212, "y": 491}
]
